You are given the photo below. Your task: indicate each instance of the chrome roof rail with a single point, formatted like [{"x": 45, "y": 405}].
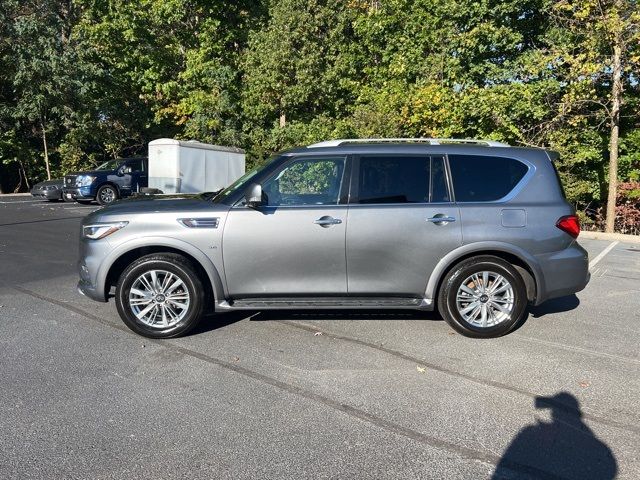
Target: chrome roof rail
[{"x": 430, "y": 141}]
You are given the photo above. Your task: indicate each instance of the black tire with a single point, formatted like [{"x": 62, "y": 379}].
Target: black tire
[
  {"x": 107, "y": 194},
  {"x": 447, "y": 302},
  {"x": 176, "y": 265}
]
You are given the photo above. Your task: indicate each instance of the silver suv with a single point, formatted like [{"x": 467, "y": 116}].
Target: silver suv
[{"x": 476, "y": 229}]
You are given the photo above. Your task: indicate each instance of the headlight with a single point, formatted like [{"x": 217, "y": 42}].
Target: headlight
[
  {"x": 84, "y": 180},
  {"x": 101, "y": 230}
]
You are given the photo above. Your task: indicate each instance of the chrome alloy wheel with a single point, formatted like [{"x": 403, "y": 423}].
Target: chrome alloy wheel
[
  {"x": 485, "y": 299},
  {"x": 159, "y": 299},
  {"x": 107, "y": 195}
]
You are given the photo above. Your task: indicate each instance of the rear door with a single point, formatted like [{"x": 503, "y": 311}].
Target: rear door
[{"x": 401, "y": 223}]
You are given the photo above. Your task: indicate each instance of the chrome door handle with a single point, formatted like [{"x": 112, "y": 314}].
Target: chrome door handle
[
  {"x": 441, "y": 219},
  {"x": 327, "y": 221}
]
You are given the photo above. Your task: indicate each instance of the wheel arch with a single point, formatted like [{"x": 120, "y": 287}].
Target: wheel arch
[
  {"x": 126, "y": 254},
  {"x": 526, "y": 265}
]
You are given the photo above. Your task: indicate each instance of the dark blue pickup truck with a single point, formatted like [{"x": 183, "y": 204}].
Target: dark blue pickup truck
[{"x": 110, "y": 181}]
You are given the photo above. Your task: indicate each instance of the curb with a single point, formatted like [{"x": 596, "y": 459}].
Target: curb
[
  {"x": 4, "y": 195},
  {"x": 620, "y": 237}
]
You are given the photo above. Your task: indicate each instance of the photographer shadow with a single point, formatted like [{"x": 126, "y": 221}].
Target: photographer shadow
[{"x": 563, "y": 448}]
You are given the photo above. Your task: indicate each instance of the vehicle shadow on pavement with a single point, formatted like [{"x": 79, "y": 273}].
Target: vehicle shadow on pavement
[
  {"x": 565, "y": 447},
  {"x": 213, "y": 321},
  {"x": 340, "y": 314},
  {"x": 555, "y": 305}
]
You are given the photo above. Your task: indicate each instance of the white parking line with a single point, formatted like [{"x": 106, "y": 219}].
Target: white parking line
[
  {"x": 602, "y": 254},
  {"x": 24, "y": 201}
]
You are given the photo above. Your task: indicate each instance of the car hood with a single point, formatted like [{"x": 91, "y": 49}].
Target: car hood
[
  {"x": 149, "y": 204},
  {"x": 88, "y": 172},
  {"x": 57, "y": 181}
]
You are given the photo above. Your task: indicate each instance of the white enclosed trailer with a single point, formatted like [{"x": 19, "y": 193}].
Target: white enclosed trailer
[{"x": 177, "y": 166}]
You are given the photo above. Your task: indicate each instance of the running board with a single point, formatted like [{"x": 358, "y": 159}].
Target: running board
[{"x": 325, "y": 302}]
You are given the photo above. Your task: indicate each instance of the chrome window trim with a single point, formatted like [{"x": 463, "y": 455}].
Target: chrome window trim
[{"x": 312, "y": 205}]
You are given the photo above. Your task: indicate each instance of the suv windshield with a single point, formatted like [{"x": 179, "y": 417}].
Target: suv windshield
[{"x": 110, "y": 165}]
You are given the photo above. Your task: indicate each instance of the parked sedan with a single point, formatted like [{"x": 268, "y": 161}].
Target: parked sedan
[{"x": 48, "y": 190}]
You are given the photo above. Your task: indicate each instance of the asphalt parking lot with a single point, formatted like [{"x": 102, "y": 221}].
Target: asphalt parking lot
[{"x": 308, "y": 395}]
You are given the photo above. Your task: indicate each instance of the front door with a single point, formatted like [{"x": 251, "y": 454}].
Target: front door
[
  {"x": 135, "y": 176},
  {"x": 401, "y": 223},
  {"x": 294, "y": 245}
]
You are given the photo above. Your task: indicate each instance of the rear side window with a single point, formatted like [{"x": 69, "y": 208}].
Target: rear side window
[
  {"x": 401, "y": 179},
  {"x": 477, "y": 178},
  {"x": 136, "y": 165}
]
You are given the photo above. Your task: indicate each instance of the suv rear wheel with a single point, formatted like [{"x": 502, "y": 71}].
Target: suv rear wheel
[
  {"x": 483, "y": 297},
  {"x": 160, "y": 296}
]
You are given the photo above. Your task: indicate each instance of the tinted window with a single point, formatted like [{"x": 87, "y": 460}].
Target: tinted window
[
  {"x": 403, "y": 179},
  {"x": 307, "y": 181},
  {"x": 136, "y": 165},
  {"x": 439, "y": 190},
  {"x": 478, "y": 178}
]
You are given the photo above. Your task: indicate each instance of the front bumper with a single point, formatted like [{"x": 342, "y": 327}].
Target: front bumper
[
  {"x": 78, "y": 193},
  {"x": 88, "y": 290},
  {"x": 92, "y": 255}
]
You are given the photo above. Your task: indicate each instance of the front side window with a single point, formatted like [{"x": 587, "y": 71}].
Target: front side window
[
  {"x": 306, "y": 181},
  {"x": 478, "y": 178},
  {"x": 402, "y": 179}
]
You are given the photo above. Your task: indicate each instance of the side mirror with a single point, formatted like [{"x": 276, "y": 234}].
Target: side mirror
[{"x": 253, "y": 197}]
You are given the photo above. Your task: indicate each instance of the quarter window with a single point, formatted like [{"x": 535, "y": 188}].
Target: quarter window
[
  {"x": 306, "y": 181},
  {"x": 477, "y": 178},
  {"x": 402, "y": 179}
]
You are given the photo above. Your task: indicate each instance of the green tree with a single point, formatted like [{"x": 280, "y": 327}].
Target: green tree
[{"x": 600, "y": 51}]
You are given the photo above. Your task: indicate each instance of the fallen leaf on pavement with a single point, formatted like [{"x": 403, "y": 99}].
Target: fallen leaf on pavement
[
  {"x": 584, "y": 384},
  {"x": 421, "y": 369},
  {"x": 317, "y": 334}
]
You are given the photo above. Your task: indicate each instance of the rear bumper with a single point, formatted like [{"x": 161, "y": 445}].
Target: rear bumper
[{"x": 565, "y": 272}]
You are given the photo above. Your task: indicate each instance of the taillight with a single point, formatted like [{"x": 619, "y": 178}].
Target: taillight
[{"x": 569, "y": 224}]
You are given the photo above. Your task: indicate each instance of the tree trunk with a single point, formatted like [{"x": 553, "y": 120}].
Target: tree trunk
[
  {"x": 616, "y": 96},
  {"x": 46, "y": 151},
  {"x": 283, "y": 119}
]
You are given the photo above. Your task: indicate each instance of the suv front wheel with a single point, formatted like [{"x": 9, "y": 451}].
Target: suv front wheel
[
  {"x": 160, "y": 296},
  {"x": 106, "y": 194},
  {"x": 483, "y": 297}
]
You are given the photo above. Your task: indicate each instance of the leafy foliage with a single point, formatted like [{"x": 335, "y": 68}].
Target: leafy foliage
[{"x": 100, "y": 78}]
